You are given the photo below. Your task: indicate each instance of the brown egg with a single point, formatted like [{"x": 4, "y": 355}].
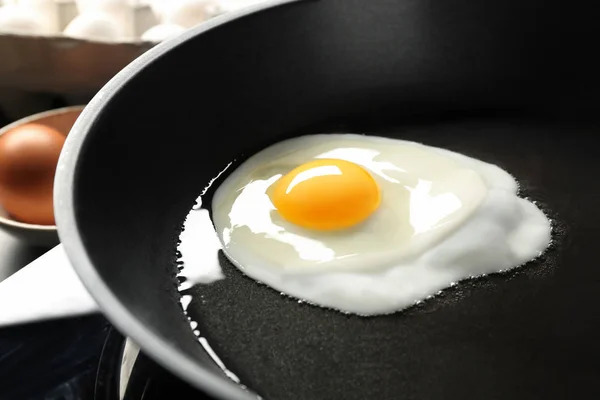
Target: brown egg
[{"x": 28, "y": 158}]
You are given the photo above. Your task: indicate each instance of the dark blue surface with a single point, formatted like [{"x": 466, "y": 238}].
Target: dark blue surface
[{"x": 55, "y": 360}]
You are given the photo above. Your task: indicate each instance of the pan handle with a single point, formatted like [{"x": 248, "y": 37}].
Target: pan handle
[{"x": 47, "y": 288}]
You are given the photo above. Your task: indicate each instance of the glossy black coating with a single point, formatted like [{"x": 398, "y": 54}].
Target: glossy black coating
[
  {"x": 514, "y": 83},
  {"x": 526, "y": 334}
]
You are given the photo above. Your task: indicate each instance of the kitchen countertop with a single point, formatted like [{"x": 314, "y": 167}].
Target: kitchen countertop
[{"x": 53, "y": 360}]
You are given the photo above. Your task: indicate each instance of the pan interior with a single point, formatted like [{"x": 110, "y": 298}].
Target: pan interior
[
  {"x": 159, "y": 135},
  {"x": 502, "y": 336}
]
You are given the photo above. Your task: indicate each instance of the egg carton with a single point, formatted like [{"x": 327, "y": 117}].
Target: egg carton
[
  {"x": 139, "y": 18},
  {"x": 60, "y": 18},
  {"x": 75, "y": 64}
]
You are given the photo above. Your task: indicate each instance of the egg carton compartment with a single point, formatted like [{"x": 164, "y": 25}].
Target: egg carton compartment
[{"x": 72, "y": 48}]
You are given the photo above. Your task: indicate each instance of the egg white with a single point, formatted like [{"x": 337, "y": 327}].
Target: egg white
[{"x": 443, "y": 217}]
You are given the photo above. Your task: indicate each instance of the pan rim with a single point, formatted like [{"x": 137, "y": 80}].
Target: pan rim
[{"x": 120, "y": 316}]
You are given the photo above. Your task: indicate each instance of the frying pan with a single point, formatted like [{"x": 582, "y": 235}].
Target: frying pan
[{"x": 513, "y": 83}]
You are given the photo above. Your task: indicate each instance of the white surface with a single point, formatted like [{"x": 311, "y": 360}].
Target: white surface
[{"x": 46, "y": 288}]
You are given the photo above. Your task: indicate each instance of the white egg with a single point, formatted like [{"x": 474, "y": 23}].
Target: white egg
[
  {"x": 47, "y": 11},
  {"x": 443, "y": 217},
  {"x": 120, "y": 11},
  {"x": 157, "y": 7},
  {"x": 186, "y": 13},
  {"x": 20, "y": 20},
  {"x": 161, "y": 32},
  {"x": 95, "y": 26}
]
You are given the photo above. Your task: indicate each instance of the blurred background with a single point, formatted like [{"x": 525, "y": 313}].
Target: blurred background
[
  {"x": 54, "y": 56},
  {"x": 60, "y": 52}
]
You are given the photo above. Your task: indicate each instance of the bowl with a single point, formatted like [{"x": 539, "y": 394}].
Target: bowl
[{"x": 61, "y": 119}]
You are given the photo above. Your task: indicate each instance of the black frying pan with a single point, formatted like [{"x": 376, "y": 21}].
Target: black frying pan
[{"x": 512, "y": 82}]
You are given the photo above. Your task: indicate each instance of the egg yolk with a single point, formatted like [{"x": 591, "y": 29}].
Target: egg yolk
[{"x": 326, "y": 195}]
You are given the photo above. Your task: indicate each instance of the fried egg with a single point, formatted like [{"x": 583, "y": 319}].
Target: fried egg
[{"x": 370, "y": 225}]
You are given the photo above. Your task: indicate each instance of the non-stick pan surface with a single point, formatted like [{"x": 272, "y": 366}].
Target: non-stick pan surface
[
  {"x": 485, "y": 80},
  {"x": 526, "y": 334}
]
